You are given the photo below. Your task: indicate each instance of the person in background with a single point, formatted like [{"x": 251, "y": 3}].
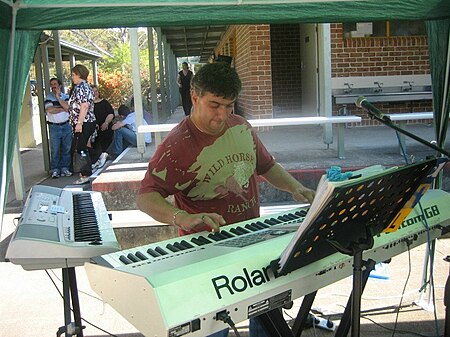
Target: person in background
[
  {"x": 81, "y": 113},
  {"x": 125, "y": 131},
  {"x": 104, "y": 114},
  {"x": 60, "y": 131},
  {"x": 210, "y": 163},
  {"x": 184, "y": 84}
]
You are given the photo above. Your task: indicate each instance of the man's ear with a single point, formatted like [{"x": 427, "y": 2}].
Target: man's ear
[{"x": 194, "y": 97}]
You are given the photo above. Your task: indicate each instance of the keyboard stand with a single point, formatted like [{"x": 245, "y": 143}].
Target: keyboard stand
[{"x": 70, "y": 287}]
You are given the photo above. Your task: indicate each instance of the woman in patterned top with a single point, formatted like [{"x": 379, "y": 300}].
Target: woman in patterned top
[{"x": 81, "y": 113}]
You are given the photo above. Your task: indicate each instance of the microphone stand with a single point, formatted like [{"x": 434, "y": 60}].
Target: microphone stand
[{"x": 386, "y": 120}]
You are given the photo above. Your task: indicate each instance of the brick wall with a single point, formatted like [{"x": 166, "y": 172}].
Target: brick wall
[
  {"x": 286, "y": 69},
  {"x": 379, "y": 56},
  {"x": 253, "y": 64}
]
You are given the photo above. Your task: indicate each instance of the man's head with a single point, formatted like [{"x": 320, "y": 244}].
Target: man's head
[
  {"x": 123, "y": 111},
  {"x": 217, "y": 78},
  {"x": 215, "y": 88},
  {"x": 55, "y": 83},
  {"x": 185, "y": 65}
]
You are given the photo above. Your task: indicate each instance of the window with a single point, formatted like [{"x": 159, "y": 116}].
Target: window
[{"x": 384, "y": 28}]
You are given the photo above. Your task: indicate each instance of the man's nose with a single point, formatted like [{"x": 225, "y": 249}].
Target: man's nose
[{"x": 222, "y": 112}]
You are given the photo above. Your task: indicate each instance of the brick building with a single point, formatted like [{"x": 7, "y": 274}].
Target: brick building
[{"x": 280, "y": 67}]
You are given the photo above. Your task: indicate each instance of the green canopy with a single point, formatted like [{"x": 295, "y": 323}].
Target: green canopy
[{"x": 21, "y": 22}]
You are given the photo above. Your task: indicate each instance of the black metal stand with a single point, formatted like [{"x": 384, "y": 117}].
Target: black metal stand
[
  {"x": 274, "y": 324},
  {"x": 70, "y": 286},
  {"x": 447, "y": 302}
]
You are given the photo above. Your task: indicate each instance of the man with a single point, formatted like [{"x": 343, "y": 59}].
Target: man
[
  {"x": 125, "y": 131},
  {"x": 60, "y": 131},
  {"x": 210, "y": 162}
]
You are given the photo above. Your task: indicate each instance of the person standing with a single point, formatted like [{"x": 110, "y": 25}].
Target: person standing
[
  {"x": 184, "y": 84},
  {"x": 210, "y": 163},
  {"x": 104, "y": 114},
  {"x": 60, "y": 131},
  {"x": 81, "y": 114}
]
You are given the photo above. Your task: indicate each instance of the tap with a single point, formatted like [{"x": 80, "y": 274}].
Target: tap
[
  {"x": 409, "y": 87},
  {"x": 379, "y": 88},
  {"x": 349, "y": 88}
]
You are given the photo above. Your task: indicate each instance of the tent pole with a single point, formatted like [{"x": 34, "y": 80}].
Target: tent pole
[
  {"x": 444, "y": 96},
  {"x": 4, "y": 183}
]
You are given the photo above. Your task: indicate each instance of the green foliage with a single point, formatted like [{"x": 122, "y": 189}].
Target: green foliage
[{"x": 115, "y": 87}]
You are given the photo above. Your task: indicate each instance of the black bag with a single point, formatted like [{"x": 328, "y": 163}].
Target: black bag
[{"x": 81, "y": 160}]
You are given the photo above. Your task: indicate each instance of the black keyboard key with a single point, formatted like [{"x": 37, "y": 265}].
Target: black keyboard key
[
  {"x": 153, "y": 253},
  {"x": 161, "y": 251},
  {"x": 132, "y": 257},
  {"x": 172, "y": 248},
  {"x": 186, "y": 244},
  {"x": 125, "y": 260},
  {"x": 227, "y": 234},
  {"x": 141, "y": 256}
]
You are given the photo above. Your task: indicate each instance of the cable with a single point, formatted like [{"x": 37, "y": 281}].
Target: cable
[
  {"x": 71, "y": 309},
  {"x": 401, "y": 147},
  {"x": 226, "y": 318},
  {"x": 399, "y": 331},
  {"x": 431, "y": 259},
  {"x": 404, "y": 288}
]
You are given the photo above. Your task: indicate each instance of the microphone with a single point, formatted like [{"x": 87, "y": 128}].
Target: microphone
[{"x": 362, "y": 102}]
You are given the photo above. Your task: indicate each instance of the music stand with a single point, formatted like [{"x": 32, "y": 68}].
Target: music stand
[{"x": 352, "y": 215}]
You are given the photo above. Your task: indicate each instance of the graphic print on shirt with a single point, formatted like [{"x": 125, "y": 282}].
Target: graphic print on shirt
[{"x": 226, "y": 166}]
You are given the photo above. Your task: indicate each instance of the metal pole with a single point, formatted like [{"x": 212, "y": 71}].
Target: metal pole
[
  {"x": 153, "y": 93},
  {"x": 137, "y": 90}
]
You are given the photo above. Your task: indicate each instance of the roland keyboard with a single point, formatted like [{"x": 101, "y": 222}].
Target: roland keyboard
[
  {"x": 61, "y": 228},
  {"x": 177, "y": 287}
]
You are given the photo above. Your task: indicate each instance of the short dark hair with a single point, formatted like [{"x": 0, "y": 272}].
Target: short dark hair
[
  {"x": 123, "y": 110},
  {"x": 185, "y": 63},
  {"x": 81, "y": 71},
  {"x": 219, "y": 79},
  {"x": 55, "y": 79}
]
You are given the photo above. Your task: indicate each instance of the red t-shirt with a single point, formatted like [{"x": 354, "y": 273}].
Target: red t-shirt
[{"x": 211, "y": 174}]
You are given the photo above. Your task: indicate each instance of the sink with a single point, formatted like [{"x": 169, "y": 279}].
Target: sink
[{"x": 388, "y": 94}]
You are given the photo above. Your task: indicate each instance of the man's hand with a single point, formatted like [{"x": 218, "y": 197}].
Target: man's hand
[
  {"x": 303, "y": 194},
  {"x": 188, "y": 222}
]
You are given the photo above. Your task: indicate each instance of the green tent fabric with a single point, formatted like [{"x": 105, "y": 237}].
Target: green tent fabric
[
  {"x": 22, "y": 21},
  {"x": 438, "y": 41}
]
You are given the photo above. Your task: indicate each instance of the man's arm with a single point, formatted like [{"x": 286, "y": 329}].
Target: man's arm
[
  {"x": 161, "y": 210},
  {"x": 117, "y": 125},
  {"x": 64, "y": 104},
  {"x": 283, "y": 180}
]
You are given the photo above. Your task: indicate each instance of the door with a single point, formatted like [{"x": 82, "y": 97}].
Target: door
[{"x": 309, "y": 69}]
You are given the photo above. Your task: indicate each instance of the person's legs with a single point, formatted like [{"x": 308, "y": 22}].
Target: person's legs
[
  {"x": 121, "y": 136},
  {"x": 256, "y": 329},
  {"x": 66, "y": 138},
  {"x": 55, "y": 147}
]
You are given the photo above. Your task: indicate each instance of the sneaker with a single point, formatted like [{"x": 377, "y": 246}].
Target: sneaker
[
  {"x": 94, "y": 166},
  {"x": 65, "y": 173},
  {"x": 102, "y": 160},
  {"x": 81, "y": 181},
  {"x": 55, "y": 174}
]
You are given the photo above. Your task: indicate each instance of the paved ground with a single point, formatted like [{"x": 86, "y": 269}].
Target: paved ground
[{"x": 31, "y": 305}]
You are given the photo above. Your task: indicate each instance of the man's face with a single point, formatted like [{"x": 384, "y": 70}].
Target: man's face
[
  {"x": 54, "y": 85},
  {"x": 211, "y": 112}
]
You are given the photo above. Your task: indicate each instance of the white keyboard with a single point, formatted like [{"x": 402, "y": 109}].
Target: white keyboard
[{"x": 61, "y": 228}]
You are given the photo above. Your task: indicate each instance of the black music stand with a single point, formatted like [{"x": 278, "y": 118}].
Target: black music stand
[
  {"x": 352, "y": 215},
  {"x": 70, "y": 286}
]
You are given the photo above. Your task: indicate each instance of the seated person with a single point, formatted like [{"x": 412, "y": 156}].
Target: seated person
[{"x": 125, "y": 131}]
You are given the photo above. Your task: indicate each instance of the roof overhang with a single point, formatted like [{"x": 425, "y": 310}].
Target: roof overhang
[{"x": 199, "y": 41}]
